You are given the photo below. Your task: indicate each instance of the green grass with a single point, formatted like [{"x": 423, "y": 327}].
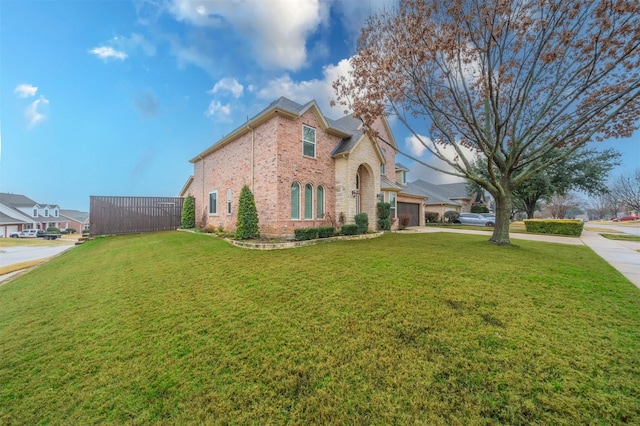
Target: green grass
[
  {"x": 179, "y": 328},
  {"x": 622, "y": 237}
]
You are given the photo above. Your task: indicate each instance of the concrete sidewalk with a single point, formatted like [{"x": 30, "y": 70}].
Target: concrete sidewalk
[{"x": 622, "y": 255}]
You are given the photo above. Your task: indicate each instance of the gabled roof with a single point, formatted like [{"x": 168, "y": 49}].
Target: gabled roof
[
  {"x": 8, "y": 220},
  {"x": 185, "y": 187},
  {"x": 16, "y": 200},
  {"x": 75, "y": 215},
  {"x": 348, "y": 127},
  {"x": 386, "y": 184},
  {"x": 436, "y": 194},
  {"x": 401, "y": 167},
  {"x": 456, "y": 190}
]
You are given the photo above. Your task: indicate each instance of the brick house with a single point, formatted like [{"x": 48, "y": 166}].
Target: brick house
[{"x": 304, "y": 169}]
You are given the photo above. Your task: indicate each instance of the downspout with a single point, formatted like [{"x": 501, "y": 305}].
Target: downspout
[{"x": 253, "y": 133}]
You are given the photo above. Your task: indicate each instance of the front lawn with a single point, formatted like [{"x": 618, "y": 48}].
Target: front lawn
[{"x": 437, "y": 328}]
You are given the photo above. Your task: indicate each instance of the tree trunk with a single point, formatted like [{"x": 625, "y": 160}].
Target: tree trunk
[{"x": 503, "y": 219}]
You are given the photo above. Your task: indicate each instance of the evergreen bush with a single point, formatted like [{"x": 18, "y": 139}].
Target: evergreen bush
[
  {"x": 554, "y": 226},
  {"x": 479, "y": 209},
  {"x": 53, "y": 230},
  {"x": 247, "y": 223},
  {"x": 326, "y": 231},
  {"x": 431, "y": 217},
  {"x": 362, "y": 221},
  {"x": 188, "y": 218},
  {"x": 350, "y": 229},
  {"x": 302, "y": 234},
  {"x": 384, "y": 210}
]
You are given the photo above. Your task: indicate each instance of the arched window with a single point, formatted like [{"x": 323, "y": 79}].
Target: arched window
[
  {"x": 308, "y": 201},
  {"x": 320, "y": 202},
  {"x": 295, "y": 200}
]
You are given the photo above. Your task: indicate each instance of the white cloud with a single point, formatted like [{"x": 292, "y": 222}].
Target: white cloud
[
  {"x": 219, "y": 111},
  {"x": 276, "y": 29},
  {"x": 305, "y": 90},
  {"x": 25, "y": 90},
  {"x": 107, "y": 52},
  {"x": 33, "y": 114},
  {"x": 353, "y": 13},
  {"x": 417, "y": 145},
  {"x": 228, "y": 84}
]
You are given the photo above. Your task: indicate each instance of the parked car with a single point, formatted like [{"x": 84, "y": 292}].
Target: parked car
[
  {"x": 625, "y": 218},
  {"x": 14, "y": 234},
  {"x": 474, "y": 219},
  {"x": 29, "y": 233}
]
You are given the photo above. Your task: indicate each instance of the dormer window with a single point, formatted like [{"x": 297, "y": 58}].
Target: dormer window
[
  {"x": 55, "y": 213},
  {"x": 308, "y": 141},
  {"x": 46, "y": 212},
  {"x": 35, "y": 212}
]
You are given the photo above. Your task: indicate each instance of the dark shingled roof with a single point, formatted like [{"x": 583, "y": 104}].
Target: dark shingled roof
[
  {"x": 16, "y": 200},
  {"x": 436, "y": 194},
  {"x": 76, "y": 215},
  {"x": 6, "y": 220}
]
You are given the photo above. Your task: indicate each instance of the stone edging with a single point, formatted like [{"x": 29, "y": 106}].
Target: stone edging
[{"x": 295, "y": 244}]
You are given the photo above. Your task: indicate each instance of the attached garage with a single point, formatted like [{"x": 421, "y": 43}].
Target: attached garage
[{"x": 411, "y": 209}]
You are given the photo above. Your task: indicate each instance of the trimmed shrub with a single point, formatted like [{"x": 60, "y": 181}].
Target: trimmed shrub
[
  {"x": 53, "y": 230},
  {"x": 247, "y": 224},
  {"x": 362, "y": 221},
  {"x": 383, "y": 211},
  {"x": 349, "y": 230},
  {"x": 479, "y": 209},
  {"x": 188, "y": 217},
  {"x": 431, "y": 217},
  {"x": 554, "y": 226},
  {"x": 451, "y": 215},
  {"x": 302, "y": 234},
  {"x": 209, "y": 229},
  {"x": 326, "y": 231},
  {"x": 403, "y": 221},
  {"x": 71, "y": 231}
]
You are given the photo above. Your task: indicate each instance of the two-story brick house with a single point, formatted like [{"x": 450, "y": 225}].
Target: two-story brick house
[{"x": 304, "y": 169}]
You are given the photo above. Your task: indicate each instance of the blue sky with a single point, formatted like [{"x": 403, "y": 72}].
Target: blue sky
[{"x": 113, "y": 97}]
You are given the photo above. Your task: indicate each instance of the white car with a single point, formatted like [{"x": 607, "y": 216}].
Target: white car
[{"x": 29, "y": 233}]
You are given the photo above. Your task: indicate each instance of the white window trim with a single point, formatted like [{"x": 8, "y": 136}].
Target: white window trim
[
  {"x": 319, "y": 204},
  {"x": 209, "y": 201},
  {"x": 229, "y": 195},
  {"x": 315, "y": 142}
]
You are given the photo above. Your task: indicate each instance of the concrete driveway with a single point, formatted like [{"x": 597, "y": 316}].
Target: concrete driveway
[{"x": 19, "y": 254}]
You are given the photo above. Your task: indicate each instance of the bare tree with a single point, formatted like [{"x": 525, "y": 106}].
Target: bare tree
[
  {"x": 560, "y": 205},
  {"x": 507, "y": 81},
  {"x": 627, "y": 189}
]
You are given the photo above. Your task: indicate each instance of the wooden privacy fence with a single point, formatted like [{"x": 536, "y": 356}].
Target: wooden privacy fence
[{"x": 132, "y": 215}]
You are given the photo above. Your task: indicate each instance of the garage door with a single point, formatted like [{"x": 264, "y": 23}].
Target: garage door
[
  {"x": 411, "y": 209},
  {"x": 10, "y": 229}
]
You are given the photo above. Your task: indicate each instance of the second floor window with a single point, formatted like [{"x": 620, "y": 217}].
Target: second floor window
[
  {"x": 213, "y": 202},
  {"x": 308, "y": 141}
]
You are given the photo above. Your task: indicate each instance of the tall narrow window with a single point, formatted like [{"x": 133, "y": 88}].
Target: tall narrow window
[
  {"x": 308, "y": 201},
  {"x": 46, "y": 212},
  {"x": 213, "y": 202},
  {"x": 383, "y": 168},
  {"x": 35, "y": 212},
  {"x": 392, "y": 201},
  {"x": 228, "y": 201},
  {"x": 320, "y": 201},
  {"x": 308, "y": 141},
  {"x": 295, "y": 200}
]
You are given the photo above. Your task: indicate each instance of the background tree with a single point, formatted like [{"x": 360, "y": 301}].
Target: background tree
[
  {"x": 627, "y": 189},
  {"x": 247, "y": 223},
  {"x": 188, "y": 217},
  {"x": 510, "y": 81},
  {"x": 586, "y": 170},
  {"x": 560, "y": 205}
]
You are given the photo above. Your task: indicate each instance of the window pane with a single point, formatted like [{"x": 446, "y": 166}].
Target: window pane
[
  {"x": 228, "y": 201},
  {"x": 392, "y": 201},
  {"x": 308, "y": 141},
  {"x": 213, "y": 203},
  {"x": 320, "y": 202},
  {"x": 308, "y": 201},
  {"x": 295, "y": 201}
]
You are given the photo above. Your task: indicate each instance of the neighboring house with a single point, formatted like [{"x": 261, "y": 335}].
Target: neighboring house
[
  {"x": 75, "y": 219},
  {"x": 447, "y": 197},
  {"x": 304, "y": 169},
  {"x": 20, "y": 212}
]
